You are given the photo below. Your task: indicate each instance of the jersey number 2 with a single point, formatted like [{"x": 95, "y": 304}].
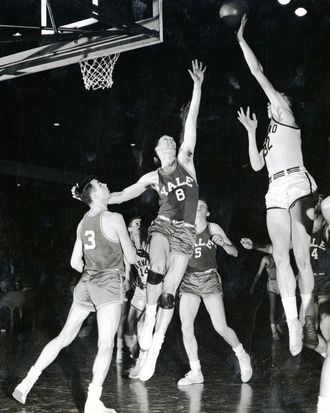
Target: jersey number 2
[{"x": 90, "y": 235}]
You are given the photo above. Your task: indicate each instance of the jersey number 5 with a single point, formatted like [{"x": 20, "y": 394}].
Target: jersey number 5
[{"x": 90, "y": 235}]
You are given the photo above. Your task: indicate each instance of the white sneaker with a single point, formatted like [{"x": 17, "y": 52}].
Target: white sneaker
[
  {"x": 22, "y": 390},
  {"x": 145, "y": 337},
  {"x": 245, "y": 367},
  {"x": 295, "y": 336},
  {"x": 96, "y": 406},
  {"x": 192, "y": 377},
  {"x": 148, "y": 368},
  {"x": 135, "y": 371}
]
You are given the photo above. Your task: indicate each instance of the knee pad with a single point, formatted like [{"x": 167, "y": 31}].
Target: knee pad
[
  {"x": 154, "y": 278},
  {"x": 166, "y": 301}
]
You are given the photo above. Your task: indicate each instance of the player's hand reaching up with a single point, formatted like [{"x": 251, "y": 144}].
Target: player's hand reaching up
[
  {"x": 197, "y": 72},
  {"x": 240, "y": 33},
  {"x": 249, "y": 122}
]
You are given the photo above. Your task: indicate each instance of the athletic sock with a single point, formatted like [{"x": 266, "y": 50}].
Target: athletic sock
[
  {"x": 151, "y": 310},
  {"x": 290, "y": 308},
  {"x": 195, "y": 365},
  {"x": 306, "y": 300},
  {"x": 323, "y": 404},
  {"x": 239, "y": 350}
]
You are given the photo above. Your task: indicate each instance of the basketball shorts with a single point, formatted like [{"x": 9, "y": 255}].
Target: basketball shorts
[
  {"x": 283, "y": 192},
  {"x": 139, "y": 299},
  {"x": 93, "y": 292},
  {"x": 201, "y": 284},
  {"x": 321, "y": 287},
  {"x": 272, "y": 287},
  {"x": 181, "y": 239}
]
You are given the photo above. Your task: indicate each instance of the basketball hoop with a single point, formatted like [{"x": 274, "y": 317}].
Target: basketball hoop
[{"x": 97, "y": 73}]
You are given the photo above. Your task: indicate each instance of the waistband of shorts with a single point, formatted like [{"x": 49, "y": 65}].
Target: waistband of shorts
[
  {"x": 176, "y": 222},
  {"x": 209, "y": 271},
  {"x": 286, "y": 172}
]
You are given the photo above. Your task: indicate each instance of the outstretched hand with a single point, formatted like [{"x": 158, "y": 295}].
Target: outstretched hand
[
  {"x": 247, "y": 243},
  {"x": 240, "y": 33},
  {"x": 249, "y": 122},
  {"x": 74, "y": 192},
  {"x": 197, "y": 72}
]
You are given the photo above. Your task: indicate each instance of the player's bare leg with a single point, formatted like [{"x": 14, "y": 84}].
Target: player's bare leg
[
  {"x": 158, "y": 252},
  {"x": 76, "y": 317},
  {"x": 189, "y": 305},
  {"x": 302, "y": 214},
  {"x": 108, "y": 318},
  {"x": 177, "y": 266},
  {"x": 279, "y": 228}
]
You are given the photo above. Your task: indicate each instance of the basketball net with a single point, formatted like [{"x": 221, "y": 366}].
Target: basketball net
[{"x": 97, "y": 73}]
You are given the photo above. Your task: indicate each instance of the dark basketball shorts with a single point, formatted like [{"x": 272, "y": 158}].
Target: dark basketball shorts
[
  {"x": 93, "y": 292},
  {"x": 181, "y": 239},
  {"x": 272, "y": 287},
  {"x": 201, "y": 284},
  {"x": 321, "y": 287}
]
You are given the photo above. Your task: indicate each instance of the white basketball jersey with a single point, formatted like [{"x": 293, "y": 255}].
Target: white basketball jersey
[{"x": 282, "y": 147}]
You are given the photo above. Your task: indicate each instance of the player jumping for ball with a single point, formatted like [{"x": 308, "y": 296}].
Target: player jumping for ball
[{"x": 290, "y": 199}]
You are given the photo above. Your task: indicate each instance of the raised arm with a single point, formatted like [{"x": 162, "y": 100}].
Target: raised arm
[
  {"x": 256, "y": 69},
  {"x": 263, "y": 264},
  {"x": 149, "y": 180},
  {"x": 187, "y": 148},
  {"x": 76, "y": 261},
  {"x": 220, "y": 238},
  {"x": 257, "y": 159}
]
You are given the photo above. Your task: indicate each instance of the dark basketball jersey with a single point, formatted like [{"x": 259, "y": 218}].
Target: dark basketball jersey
[
  {"x": 178, "y": 192},
  {"x": 320, "y": 252},
  {"x": 204, "y": 257},
  {"x": 100, "y": 253}
]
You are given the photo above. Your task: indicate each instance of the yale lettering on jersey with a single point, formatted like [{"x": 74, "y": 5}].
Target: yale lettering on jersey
[
  {"x": 209, "y": 244},
  {"x": 169, "y": 187},
  {"x": 321, "y": 246}
]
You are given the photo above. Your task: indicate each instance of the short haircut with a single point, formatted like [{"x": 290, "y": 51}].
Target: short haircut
[
  {"x": 205, "y": 202},
  {"x": 83, "y": 190},
  {"x": 132, "y": 219}
]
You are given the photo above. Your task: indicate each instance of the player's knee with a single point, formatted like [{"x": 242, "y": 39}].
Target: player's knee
[
  {"x": 154, "y": 278},
  {"x": 302, "y": 258},
  {"x": 282, "y": 260},
  {"x": 166, "y": 301}
]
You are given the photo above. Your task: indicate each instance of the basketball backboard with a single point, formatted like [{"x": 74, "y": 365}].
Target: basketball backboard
[{"x": 46, "y": 34}]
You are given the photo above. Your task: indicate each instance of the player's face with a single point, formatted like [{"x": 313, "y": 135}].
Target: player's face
[
  {"x": 202, "y": 210},
  {"x": 166, "y": 146},
  {"x": 101, "y": 189},
  {"x": 135, "y": 226}
]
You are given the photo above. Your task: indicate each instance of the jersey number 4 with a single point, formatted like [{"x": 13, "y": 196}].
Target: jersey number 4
[{"x": 90, "y": 244}]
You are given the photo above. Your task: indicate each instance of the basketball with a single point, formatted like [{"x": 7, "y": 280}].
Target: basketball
[{"x": 232, "y": 11}]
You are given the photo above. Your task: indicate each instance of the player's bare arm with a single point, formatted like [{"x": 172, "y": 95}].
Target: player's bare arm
[
  {"x": 76, "y": 261},
  {"x": 257, "y": 71},
  {"x": 187, "y": 148},
  {"x": 114, "y": 225},
  {"x": 250, "y": 123},
  {"x": 248, "y": 244},
  {"x": 149, "y": 180},
  {"x": 325, "y": 208},
  {"x": 220, "y": 238},
  {"x": 263, "y": 265}
]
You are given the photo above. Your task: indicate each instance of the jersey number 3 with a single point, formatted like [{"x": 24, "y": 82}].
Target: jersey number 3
[{"x": 90, "y": 244}]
